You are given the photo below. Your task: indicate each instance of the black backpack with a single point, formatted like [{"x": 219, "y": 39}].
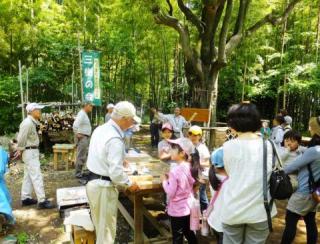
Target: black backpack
[{"x": 313, "y": 185}]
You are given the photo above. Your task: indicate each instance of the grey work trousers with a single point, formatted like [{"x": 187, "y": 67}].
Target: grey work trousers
[
  {"x": 82, "y": 153},
  {"x": 256, "y": 233}
]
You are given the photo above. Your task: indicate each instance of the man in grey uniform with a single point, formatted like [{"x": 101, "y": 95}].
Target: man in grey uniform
[
  {"x": 176, "y": 120},
  {"x": 82, "y": 129},
  {"x": 105, "y": 163},
  {"x": 28, "y": 146}
]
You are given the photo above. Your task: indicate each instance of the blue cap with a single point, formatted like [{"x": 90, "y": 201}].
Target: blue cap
[{"x": 217, "y": 158}]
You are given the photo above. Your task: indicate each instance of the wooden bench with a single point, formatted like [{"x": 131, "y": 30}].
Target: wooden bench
[
  {"x": 66, "y": 153},
  {"x": 81, "y": 236}
]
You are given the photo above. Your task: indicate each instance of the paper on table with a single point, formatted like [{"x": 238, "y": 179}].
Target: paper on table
[{"x": 81, "y": 218}]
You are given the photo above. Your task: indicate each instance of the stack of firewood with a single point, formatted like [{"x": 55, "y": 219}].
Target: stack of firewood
[{"x": 57, "y": 121}]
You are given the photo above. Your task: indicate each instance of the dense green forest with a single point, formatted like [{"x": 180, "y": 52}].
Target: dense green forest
[{"x": 265, "y": 51}]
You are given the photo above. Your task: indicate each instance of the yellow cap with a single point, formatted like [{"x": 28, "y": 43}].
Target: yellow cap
[{"x": 195, "y": 130}]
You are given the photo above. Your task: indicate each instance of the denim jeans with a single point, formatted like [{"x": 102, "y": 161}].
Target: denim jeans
[{"x": 203, "y": 197}]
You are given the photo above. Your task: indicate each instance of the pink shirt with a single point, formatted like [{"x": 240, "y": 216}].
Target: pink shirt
[{"x": 179, "y": 189}]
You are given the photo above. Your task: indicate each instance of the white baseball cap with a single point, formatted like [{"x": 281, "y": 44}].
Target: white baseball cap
[
  {"x": 185, "y": 144},
  {"x": 126, "y": 109},
  {"x": 288, "y": 120},
  {"x": 110, "y": 105},
  {"x": 33, "y": 106}
]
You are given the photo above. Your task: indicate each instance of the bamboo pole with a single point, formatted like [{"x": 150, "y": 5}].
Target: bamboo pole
[
  {"x": 72, "y": 81},
  {"x": 318, "y": 33},
  {"x": 281, "y": 61},
  {"x": 244, "y": 80},
  {"x": 27, "y": 86},
  {"x": 21, "y": 90},
  {"x": 80, "y": 64}
]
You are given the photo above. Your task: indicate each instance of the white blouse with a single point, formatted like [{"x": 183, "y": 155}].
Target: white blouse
[{"x": 243, "y": 191}]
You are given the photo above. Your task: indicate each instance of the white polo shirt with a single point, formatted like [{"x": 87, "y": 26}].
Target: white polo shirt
[
  {"x": 82, "y": 123},
  {"x": 203, "y": 152},
  {"x": 106, "y": 153}
]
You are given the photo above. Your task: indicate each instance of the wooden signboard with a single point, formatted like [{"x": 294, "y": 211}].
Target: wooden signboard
[{"x": 202, "y": 115}]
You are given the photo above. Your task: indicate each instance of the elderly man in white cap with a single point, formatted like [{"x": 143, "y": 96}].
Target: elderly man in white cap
[
  {"x": 28, "y": 146},
  {"x": 105, "y": 163},
  {"x": 287, "y": 124},
  {"x": 110, "y": 107},
  {"x": 82, "y": 130}
]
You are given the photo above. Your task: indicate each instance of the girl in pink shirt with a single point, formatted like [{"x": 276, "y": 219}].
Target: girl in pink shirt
[{"x": 178, "y": 186}]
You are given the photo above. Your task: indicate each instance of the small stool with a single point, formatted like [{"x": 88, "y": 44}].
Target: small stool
[
  {"x": 81, "y": 236},
  {"x": 67, "y": 152}
]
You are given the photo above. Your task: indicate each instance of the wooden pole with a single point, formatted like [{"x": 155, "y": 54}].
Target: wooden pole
[
  {"x": 97, "y": 122},
  {"x": 281, "y": 61},
  {"x": 138, "y": 219},
  {"x": 27, "y": 91},
  {"x": 21, "y": 90},
  {"x": 318, "y": 33},
  {"x": 72, "y": 81},
  {"x": 76, "y": 95},
  {"x": 244, "y": 81},
  {"x": 80, "y": 64}
]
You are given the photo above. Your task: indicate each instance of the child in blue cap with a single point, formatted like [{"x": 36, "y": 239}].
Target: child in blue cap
[{"x": 217, "y": 177}]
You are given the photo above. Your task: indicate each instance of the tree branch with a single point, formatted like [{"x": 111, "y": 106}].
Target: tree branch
[
  {"x": 170, "y": 12},
  {"x": 216, "y": 22},
  {"x": 190, "y": 16},
  {"x": 174, "y": 23},
  {"x": 272, "y": 19},
  {"x": 211, "y": 15},
  {"x": 235, "y": 39},
  {"x": 224, "y": 32},
  {"x": 268, "y": 19},
  {"x": 243, "y": 8}
]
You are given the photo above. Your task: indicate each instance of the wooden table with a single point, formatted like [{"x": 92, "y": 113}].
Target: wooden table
[
  {"x": 149, "y": 184},
  {"x": 67, "y": 153}
]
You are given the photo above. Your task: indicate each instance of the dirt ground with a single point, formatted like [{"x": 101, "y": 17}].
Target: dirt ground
[{"x": 46, "y": 226}]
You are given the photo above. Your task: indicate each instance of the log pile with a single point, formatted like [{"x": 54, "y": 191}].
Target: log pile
[{"x": 55, "y": 122}]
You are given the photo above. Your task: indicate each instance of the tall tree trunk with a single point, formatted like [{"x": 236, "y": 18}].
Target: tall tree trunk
[{"x": 208, "y": 55}]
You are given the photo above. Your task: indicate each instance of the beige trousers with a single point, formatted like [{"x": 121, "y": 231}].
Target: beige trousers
[
  {"x": 32, "y": 179},
  {"x": 103, "y": 201}
]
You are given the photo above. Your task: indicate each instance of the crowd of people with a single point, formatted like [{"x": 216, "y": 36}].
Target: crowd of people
[
  {"x": 236, "y": 212},
  {"x": 235, "y": 208}
]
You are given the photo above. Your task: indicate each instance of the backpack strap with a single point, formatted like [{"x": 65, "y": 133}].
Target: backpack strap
[
  {"x": 275, "y": 155},
  {"x": 267, "y": 206}
]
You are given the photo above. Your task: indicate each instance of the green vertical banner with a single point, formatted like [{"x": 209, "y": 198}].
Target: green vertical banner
[{"x": 91, "y": 77}]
